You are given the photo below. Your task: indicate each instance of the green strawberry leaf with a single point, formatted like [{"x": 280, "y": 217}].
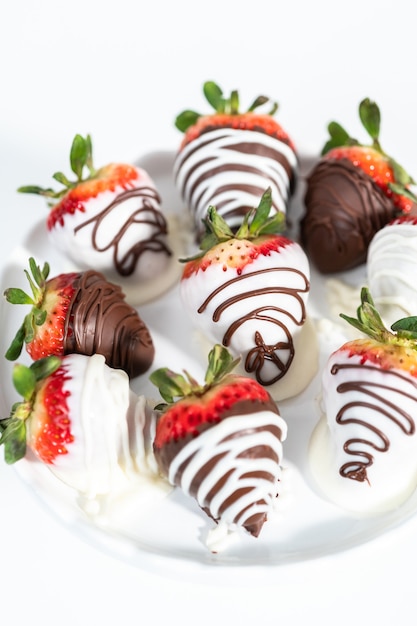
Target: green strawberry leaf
[
  {"x": 370, "y": 117},
  {"x": 14, "y": 295},
  {"x": 15, "y": 348},
  {"x": 78, "y": 156},
  {"x": 170, "y": 384},
  {"x": 61, "y": 178},
  {"x": 24, "y": 381},
  {"x": 368, "y": 320},
  {"x": 406, "y": 327},
  {"x": 13, "y": 438},
  {"x": 186, "y": 119},
  {"x": 214, "y": 96},
  {"x": 220, "y": 363},
  {"x": 42, "y": 368}
]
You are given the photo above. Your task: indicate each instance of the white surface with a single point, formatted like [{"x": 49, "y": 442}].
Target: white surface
[{"x": 122, "y": 73}]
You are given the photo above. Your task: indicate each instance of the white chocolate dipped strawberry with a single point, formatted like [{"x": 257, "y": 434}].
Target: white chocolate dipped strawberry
[
  {"x": 363, "y": 451},
  {"x": 249, "y": 291},
  {"x": 228, "y": 158},
  {"x": 80, "y": 418},
  {"x": 221, "y": 443},
  {"x": 392, "y": 268},
  {"x": 110, "y": 220}
]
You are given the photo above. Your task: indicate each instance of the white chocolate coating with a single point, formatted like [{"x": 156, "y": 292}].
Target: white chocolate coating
[
  {"x": 363, "y": 451},
  {"x": 225, "y": 443},
  {"x": 230, "y": 168},
  {"x": 123, "y": 234},
  {"x": 260, "y": 315},
  {"x": 392, "y": 270},
  {"x": 108, "y": 422}
]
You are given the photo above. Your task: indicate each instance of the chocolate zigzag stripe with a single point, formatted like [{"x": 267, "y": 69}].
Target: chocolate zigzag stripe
[
  {"x": 232, "y": 469},
  {"x": 230, "y": 169},
  {"x": 100, "y": 321},
  {"x": 263, "y": 356},
  {"x": 147, "y": 213},
  {"x": 376, "y": 400}
]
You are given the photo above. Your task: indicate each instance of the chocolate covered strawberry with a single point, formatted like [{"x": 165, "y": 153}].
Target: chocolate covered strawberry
[
  {"x": 108, "y": 219},
  {"x": 364, "y": 449},
  {"x": 221, "y": 443},
  {"x": 352, "y": 192},
  {"x": 392, "y": 268},
  {"x": 249, "y": 290},
  {"x": 80, "y": 312},
  {"x": 80, "y": 418},
  {"x": 228, "y": 158}
]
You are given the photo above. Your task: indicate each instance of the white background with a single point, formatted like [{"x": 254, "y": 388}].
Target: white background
[{"x": 121, "y": 71}]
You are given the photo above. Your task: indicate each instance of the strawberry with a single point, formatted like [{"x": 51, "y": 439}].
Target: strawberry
[
  {"x": 364, "y": 450},
  {"x": 228, "y": 158},
  {"x": 248, "y": 290},
  {"x": 392, "y": 267},
  {"x": 80, "y": 312},
  {"x": 78, "y": 417},
  {"x": 352, "y": 192},
  {"x": 220, "y": 442},
  {"x": 110, "y": 220}
]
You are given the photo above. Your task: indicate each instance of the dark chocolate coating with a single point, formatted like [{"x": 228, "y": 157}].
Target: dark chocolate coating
[
  {"x": 100, "y": 321},
  {"x": 344, "y": 210}
]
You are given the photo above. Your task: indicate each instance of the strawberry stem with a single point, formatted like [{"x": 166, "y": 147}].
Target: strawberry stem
[
  {"x": 13, "y": 428},
  {"x": 173, "y": 386},
  {"x": 256, "y": 222},
  {"x": 81, "y": 157},
  {"x": 370, "y": 117},
  {"x": 229, "y": 106},
  {"x": 37, "y": 278},
  {"x": 369, "y": 322}
]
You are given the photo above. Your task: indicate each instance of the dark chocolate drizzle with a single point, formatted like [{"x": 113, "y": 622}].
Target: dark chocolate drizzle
[
  {"x": 281, "y": 353},
  {"x": 256, "y": 148},
  {"x": 146, "y": 213},
  {"x": 100, "y": 321},
  {"x": 379, "y": 402},
  {"x": 344, "y": 210}
]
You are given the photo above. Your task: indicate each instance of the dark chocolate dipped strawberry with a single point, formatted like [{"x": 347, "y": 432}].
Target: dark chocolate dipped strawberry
[
  {"x": 80, "y": 312},
  {"x": 352, "y": 192},
  {"x": 220, "y": 442},
  {"x": 229, "y": 157}
]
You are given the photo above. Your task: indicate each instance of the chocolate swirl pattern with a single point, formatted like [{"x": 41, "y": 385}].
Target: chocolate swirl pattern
[
  {"x": 369, "y": 407},
  {"x": 276, "y": 294},
  {"x": 231, "y": 169},
  {"x": 113, "y": 227},
  {"x": 100, "y": 321},
  {"x": 232, "y": 469}
]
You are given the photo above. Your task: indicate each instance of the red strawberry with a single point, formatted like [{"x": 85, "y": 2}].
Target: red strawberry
[
  {"x": 364, "y": 449},
  {"x": 80, "y": 312},
  {"x": 228, "y": 158},
  {"x": 221, "y": 442},
  {"x": 249, "y": 291},
  {"x": 352, "y": 192},
  {"x": 80, "y": 418},
  {"x": 110, "y": 220}
]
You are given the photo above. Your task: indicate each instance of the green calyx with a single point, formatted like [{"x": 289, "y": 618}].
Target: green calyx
[
  {"x": 81, "y": 157},
  {"x": 13, "y": 428},
  {"x": 370, "y": 117},
  {"x": 175, "y": 386},
  {"x": 230, "y": 106},
  {"x": 36, "y": 317},
  {"x": 256, "y": 222},
  {"x": 369, "y": 322}
]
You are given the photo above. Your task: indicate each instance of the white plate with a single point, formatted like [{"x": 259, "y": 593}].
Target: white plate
[{"x": 169, "y": 529}]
